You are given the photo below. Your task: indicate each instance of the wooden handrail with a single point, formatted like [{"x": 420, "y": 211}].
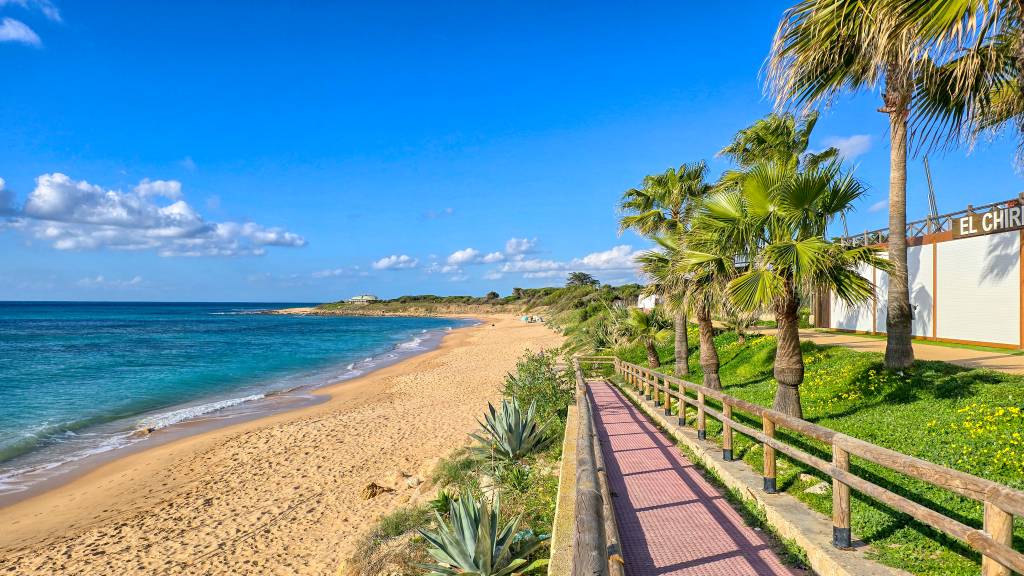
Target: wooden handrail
[
  {"x": 596, "y": 538},
  {"x": 1002, "y": 503}
]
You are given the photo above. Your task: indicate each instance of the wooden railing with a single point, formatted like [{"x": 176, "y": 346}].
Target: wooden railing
[
  {"x": 1001, "y": 503},
  {"x": 596, "y": 549},
  {"x": 929, "y": 225}
]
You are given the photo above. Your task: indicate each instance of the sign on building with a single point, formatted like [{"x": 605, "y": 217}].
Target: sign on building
[{"x": 997, "y": 220}]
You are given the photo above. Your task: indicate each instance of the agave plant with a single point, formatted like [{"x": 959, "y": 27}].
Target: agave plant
[
  {"x": 472, "y": 541},
  {"x": 512, "y": 434}
]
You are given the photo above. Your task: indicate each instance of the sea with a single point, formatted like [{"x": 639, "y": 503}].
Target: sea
[{"x": 84, "y": 379}]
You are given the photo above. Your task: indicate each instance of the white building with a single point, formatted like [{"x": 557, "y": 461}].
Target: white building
[
  {"x": 647, "y": 302},
  {"x": 964, "y": 275},
  {"x": 363, "y": 299}
]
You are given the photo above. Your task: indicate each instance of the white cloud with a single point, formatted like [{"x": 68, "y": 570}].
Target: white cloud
[
  {"x": 879, "y": 206},
  {"x": 850, "y": 147},
  {"x": 396, "y": 262},
  {"x": 101, "y": 282},
  {"x": 492, "y": 257},
  {"x": 331, "y": 273},
  {"x": 45, "y": 6},
  {"x": 463, "y": 256},
  {"x": 170, "y": 189},
  {"x": 517, "y": 246},
  {"x": 76, "y": 215},
  {"x": 493, "y": 275},
  {"x": 620, "y": 258},
  {"x": 12, "y": 30}
]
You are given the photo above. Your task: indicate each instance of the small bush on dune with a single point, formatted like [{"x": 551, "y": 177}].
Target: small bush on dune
[{"x": 536, "y": 380}]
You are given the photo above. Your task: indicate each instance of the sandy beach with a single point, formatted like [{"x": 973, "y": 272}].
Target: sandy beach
[{"x": 278, "y": 495}]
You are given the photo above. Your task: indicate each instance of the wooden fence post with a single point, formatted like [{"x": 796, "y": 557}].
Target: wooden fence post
[
  {"x": 668, "y": 396},
  {"x": 998, "y": 525},
  {"x": 647, "y": 383},
  {"x": 768, "y": 427},
  {"x": 682, "y": 406},
  {"x": 702, "y": 432},
  {"x": 840, "y": 501},
  {"x": 726, "y": 432}
]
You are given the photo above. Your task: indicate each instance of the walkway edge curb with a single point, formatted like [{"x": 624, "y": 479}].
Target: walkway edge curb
[
  {"x": 787, "y": 516},
  {"x": 565, "y": 506}
]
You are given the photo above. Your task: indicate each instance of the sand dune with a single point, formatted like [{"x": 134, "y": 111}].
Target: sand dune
[{"x": 273, "y": 496}]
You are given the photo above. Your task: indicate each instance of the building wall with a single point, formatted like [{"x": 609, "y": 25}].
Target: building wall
[
  {"x": 966, "y": 289},
  {"x": 857, "y": 318},
  {"x": 979, "y": 288}
]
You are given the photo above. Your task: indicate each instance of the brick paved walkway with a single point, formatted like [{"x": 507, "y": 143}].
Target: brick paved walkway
[{"x": 671, "y": 520}]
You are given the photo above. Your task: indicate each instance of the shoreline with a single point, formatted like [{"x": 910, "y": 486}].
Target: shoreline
[
  {"x": 43, "y": 476},
  {"x": 178, "y": 502}
]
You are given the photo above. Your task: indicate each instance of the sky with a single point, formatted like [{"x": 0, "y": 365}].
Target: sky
[{"x": 308, "y": 152}]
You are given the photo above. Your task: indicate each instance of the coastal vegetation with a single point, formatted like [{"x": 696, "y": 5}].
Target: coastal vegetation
[{"x": 494, "y": 502}]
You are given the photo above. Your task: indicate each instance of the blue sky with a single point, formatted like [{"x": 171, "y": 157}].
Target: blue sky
[{"x": 279, "y": 152}]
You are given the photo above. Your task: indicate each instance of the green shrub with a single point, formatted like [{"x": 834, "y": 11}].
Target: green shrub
[
  {"x": 472, "y": 541},
  {"x": 537, "y": 381},
  {"x": 515, "y": 477}
]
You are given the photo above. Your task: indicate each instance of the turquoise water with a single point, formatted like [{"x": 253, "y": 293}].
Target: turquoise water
[{"x": 79, "y": 379}]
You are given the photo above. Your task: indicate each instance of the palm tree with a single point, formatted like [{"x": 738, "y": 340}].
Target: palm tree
[
  {"x": 772, "y": 224},
  {"x": 825, "y": 47},
  {"x": 778, "y": 138},
  {"x": 664, "y": 204},
  {"x": 702, "y": 293},
  {"x": 647, "y": 329},
  {"x": 974, "y": 83}
]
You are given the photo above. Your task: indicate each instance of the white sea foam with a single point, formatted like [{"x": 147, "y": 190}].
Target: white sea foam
[{"x": 158, "y": 421}]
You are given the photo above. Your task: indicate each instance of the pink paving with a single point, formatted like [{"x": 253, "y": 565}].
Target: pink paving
[{"x": 671, "y": 520}]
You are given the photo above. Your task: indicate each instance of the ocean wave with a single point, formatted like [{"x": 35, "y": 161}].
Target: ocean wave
[{"x": 166, "y": 419}]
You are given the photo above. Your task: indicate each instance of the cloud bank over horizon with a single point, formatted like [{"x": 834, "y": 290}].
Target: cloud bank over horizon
[{"x": 76, "y": 215}]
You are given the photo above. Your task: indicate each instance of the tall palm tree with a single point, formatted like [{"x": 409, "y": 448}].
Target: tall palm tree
[
  {"x": 663, "y": 205},
  {"x": 974, "y": 83},
  {"x": 647, "y": 329},
  {"x": 825, "y": 47},
  {"x": 772, "y": 222}
]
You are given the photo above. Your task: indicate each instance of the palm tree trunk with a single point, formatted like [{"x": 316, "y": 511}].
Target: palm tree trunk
[
  {"x": 899, "y": 353},
  {"x": 682, "y": 345},
  {"x": 708, "y": 353},
  {"x": 652, "y": 355},
  {"x": 789, "y": 360}
]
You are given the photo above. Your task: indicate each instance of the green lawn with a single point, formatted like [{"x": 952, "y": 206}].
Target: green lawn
[{"x": 971, "y": 420}]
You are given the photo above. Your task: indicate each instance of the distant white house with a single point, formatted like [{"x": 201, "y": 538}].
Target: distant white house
[
  {"x": 363, "y": 299},
  {"x": 647, "y": 302}
]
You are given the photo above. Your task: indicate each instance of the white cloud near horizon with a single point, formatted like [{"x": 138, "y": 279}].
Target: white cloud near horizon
[
  {"x": 519, "y": 246},
  {"x": 473, "y": 256},
  {"x": 879, "y": 206},
  {"x": 12, "y": 30},
  {"x": 76, "y": 215},
  {"x": 850, "y": 147},
  {"x": 619, "y": 258},
  {"x": 396, "y": 262},
  {"x": 102, "y": 282}
]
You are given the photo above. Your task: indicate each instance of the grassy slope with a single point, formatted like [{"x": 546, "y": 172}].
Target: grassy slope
[{"x": 971, "y": 420}]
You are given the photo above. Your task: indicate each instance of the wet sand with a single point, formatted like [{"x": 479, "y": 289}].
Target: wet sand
[{"x": 277, "y": 495}]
